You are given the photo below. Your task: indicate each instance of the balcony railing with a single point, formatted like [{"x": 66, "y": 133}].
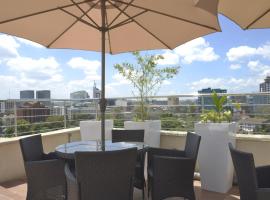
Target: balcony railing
[{"x": 177, "y": 112}]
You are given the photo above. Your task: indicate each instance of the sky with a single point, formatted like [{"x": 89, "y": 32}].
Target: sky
[{"x": 233, "y": 59}]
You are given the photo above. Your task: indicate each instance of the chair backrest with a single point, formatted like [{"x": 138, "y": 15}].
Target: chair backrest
[
  {"x": 31, "y": 148},
  {"x": 246, "y": 173},
  {"x": 127, "y": 135},
  {"x": 106, "y": 175},
  {"x": 192, "y": 145}
]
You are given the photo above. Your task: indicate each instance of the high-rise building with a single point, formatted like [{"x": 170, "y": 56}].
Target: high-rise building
[
  {"x": 79, "y": 95},
  {"x": 207, "y": 100},
  {"x": 96, "y": 92},
  {"x": 265, "y": 86},
  {"x": 27, "y": 94},
  {"x": 43, "y": 94}
]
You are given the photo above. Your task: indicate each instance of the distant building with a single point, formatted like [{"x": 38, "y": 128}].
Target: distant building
[
  {"x": 96, "y": 92},
  {"x": 121, "y": 103},
  {"x": 33, "y": 112},
  {"x": 27, "y": 94},
  {"x": 79, "y": 95},
  {"x": 172, "y": 101},
  {"x": 7, "y": 106},
  {"x": 58, "y": 110},
  {"x": 43, "y": 94},
  {"x": 207, "y": 100},
  {"x": 265, "y": 86}
]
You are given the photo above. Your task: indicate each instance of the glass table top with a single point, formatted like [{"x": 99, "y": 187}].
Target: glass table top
[{"x": 67, "y": 150}]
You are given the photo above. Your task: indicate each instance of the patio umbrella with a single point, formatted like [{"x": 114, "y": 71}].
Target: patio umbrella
[
  {"x": 248, "y": 14},
  {"x": 112, "y": 26}
]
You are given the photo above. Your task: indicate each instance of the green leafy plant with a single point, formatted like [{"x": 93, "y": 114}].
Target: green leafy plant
[
  {"x": 219, "y": 113},
  {"x": 146, "y": 77}
]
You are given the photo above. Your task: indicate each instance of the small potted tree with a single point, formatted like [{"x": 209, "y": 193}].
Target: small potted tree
[
  {"x": 146, "y": 77},
  {"x": 216, "y": 130}
]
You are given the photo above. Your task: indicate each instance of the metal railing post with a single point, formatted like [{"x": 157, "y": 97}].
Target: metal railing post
[
  {"x": 15, "y": 119},
  {"x": 65, "y": 115}
]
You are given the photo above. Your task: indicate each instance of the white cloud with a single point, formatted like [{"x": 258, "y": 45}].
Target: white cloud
[
  {"x": 196, "y": 50},
  {"x": 170, "y": 58},
  {"x": 41, "y": 69},
  {"x": 8, "y": 47},
  {"x": 262, "y": 69},
  {"x": 90, "y": 67},
  {"x": 238, "y": 53},
  {"x": 235, "y": 66},
  {"x": 30, "y": 43}
]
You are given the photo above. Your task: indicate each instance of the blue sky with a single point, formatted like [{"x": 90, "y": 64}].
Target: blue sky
[{"x": 233, "y": 59}]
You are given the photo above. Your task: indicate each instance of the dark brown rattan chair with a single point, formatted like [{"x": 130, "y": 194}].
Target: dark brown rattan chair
[
  {"x": 102, "y": 175},
  {"x": 254, "y": 183},
  {"x": 127, "y": 135},
  {"x": 44, "y": 173},
  {"x": 133, "y": 136},
  {"x": 171, "y": 172}
]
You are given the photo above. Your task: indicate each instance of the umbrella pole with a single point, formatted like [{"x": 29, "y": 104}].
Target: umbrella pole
[{"x": 103, "y": 101}]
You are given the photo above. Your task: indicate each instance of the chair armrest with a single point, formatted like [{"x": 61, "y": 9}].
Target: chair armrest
[
  {"x": 72, "y": 185},
  {"x": 166, "y": 152},
  {"x": 263, "y": 176},
  {"x": 168, "y": 168},
  {"x": 163, "y": 152},
  {"x": 263, "y": 194},
  {"x": 49, "y": 156}
]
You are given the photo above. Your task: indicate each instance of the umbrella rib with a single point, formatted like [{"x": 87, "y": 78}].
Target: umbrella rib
[
  {"x": 81, "y": 20},
  {"x": 85, "y": 13},
  {"x": 127, "y": 21},
  {"x": 257, "y": 19},
  {"x": 121, "y": 12},
  {"x": 70, "y": 26},
  {"x": 168, "y": 15},
  {"x": 140, "y": 25},
  {"x": 42, "y": 12},
  {"x": 108, "y": 31}
]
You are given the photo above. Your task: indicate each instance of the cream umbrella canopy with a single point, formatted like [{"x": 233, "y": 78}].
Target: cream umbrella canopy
[
  {"x": 248, "y": 14},
  {"x": 111, "y": 26}
]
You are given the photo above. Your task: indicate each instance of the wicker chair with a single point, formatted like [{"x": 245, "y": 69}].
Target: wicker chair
[
  {"x": 127, "y": 135},
  {"x": 45, "y": 174},
  {"x": 134, "y": 136},
  {"x": 171, "y": 172},
  {"x": 102, "y": 175},
  {"x": 254, "y": 183}
]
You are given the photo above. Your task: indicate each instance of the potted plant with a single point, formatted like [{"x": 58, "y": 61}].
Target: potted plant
[
  {"x": 146, "y": 77},
  {"x": 91, "y": 129},
  {"x": 216, "y": 130}
]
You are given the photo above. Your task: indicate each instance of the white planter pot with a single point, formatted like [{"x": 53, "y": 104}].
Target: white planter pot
[
  {"x": 91, "y": 130},
  {"x": 215, "y": 163},
  {"x": 151, "y": 130}
]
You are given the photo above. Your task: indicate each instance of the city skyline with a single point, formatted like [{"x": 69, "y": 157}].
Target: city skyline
[{"x": 233, "y": 59}]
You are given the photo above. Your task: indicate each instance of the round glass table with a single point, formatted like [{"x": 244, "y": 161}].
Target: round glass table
[{"x": 67, "y": 151}]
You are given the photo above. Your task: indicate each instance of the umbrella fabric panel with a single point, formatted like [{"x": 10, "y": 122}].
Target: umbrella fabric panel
[
  {"x": 42, "y": 29},
  {"x": 132, "y": 24},
  {"x": 247, "y": 13}
]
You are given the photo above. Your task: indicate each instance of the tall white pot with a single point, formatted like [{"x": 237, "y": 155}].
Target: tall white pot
[
  {"x": 91, "y": 130},
  {"x": 151, "y": 130},
  {"x": 215, "y": 163}
]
